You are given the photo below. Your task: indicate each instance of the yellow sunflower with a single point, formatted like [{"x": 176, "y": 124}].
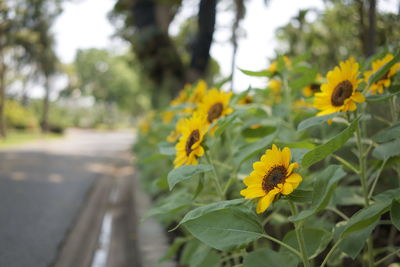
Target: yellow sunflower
[
  {"x": 385, "y": 81},
  {"x": 189, "y": 148},
  {"x": 339, "y": 93},
  {"x": 198, "y": 92},
  {"x": 272, "y": 175},
  {"x": 215, "y": 105},
  {"x": 273, "y": 67},
  {"x": 174, "y": 135},
  {"x": 182, "y": 96},
  {"x": 247, "y": 99},
  {"x": 313, "y": 88}
]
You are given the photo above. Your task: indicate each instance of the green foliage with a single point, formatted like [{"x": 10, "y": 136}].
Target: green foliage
[
  {"x": 226, "y": 229},
  {"x": 19, "y": 117},
  {"x": 185, "y": 172},
  {"x": 269, "y": 258}
]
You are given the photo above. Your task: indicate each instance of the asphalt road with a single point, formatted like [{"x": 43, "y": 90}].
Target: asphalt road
[{"x": 42, "y": 188}]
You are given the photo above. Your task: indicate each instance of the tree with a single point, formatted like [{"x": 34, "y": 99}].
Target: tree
[{"x": 146, "y": 25}]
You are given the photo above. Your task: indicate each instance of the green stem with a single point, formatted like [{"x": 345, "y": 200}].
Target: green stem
[
  {"x": 371, "y": 191},
  {"x": 338, "y": 212},
  {"x": 330, "y": 252},
  {"x": 363, "y": 178},
  {"x": 215, "y": 176},
  {"x": 386, "y": 257},
  {"x": 346, "y": 163},
  {"x": 292, "y": 249},
  {"x": 299, "y": 235}
]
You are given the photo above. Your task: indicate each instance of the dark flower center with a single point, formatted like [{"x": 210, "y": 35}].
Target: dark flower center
[
  {"x": 276, "y": 175},
  {"x": 214, "y": 112},
  {"x": 315, "y": 87},
  {"x": 193, "y": 138},
  {"x": 341, "y": 92},
  {"x": 385, "y": 77}
]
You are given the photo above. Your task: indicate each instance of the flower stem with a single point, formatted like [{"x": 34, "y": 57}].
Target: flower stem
[
  {"x": 215, "y": 176},
  {"x": 299, "y": 235},
  {"x": 292, "y": 249},
  {"x": 330, "y": 252},
  {"x": 363, "y": 179}
]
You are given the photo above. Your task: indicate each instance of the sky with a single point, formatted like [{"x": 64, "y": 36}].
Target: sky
[{"x": 84, "y": 24}]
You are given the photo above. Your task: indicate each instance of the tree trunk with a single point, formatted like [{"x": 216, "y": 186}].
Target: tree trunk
[
  {"x": 362, "y": 31},
  {"x": 155, "y": 50},
  {"x": 201, "y": 48},
  {"x": 371, "y": 35},
  {"x": 3, "y": 132},
  {"x": 45, "y": 114}
]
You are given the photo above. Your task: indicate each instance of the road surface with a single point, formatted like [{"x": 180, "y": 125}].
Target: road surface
[{"x": 43, "y": 187}]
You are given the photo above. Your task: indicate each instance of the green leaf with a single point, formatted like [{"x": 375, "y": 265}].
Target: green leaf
[
  {"x": 226, "y": 229},
  {"x": 324, "y": 150},
  {"x": 262, "y": 73},
  {"x": 384, "y": 69},
  {"x": 199, "y": 255},
  {"x": 188, "y": 251},
  {"x": 200, "y": 211},
  {"x": 170, "y": 204},
  {"x": 166, "y": 148},
  {"x": 199, "y": 188},
  {"x": 315, "y": 239},
  {"x": 365, "y": 217},
  {"x": 395, "y": 213},
  {"x": 316, "y": 120},
  {"x": 186, "y": 172},
  {"x": 248, "y": 150},
  {"x": 324, "y": 186},
  {"x": 301, "y": 195},
  {"x": 354, "y": 242},
  {"x": 266, "y": 257},
  {"x": 388, "y": 195},
  {"x": 348, "y": 195},
  {"x": 387, "y": 134},
  {"x": 173, "y": 249},
  {"x": 226, "y": 121},
  {"x": 211, "y": 260},
  {"x": 387, "y": 150},
  {"x": 380, "y": 98}
]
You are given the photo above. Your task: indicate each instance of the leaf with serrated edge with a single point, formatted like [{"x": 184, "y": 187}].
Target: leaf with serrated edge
[
  {"x": 186, "y": 172},
  {"x": 324, "y": 150}
]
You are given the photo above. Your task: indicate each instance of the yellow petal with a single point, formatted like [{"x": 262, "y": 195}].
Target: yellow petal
[
  {"x": 254, "y": 192},
  {"x": 264, "y": 202},
  {"x": 358, "y": 97},
  {"x": 294, "y": 179},
  {"x": 287, "y": 188},
  {"x": 291, "y": 167},
  {"x": 286, "y": 157}
]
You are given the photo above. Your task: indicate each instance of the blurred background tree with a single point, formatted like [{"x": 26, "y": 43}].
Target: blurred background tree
[{"x": 343, "y": 29}]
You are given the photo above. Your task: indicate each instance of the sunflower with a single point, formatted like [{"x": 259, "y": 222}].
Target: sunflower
[
  {"x": 312, "y": 88},
  {"x": 273, "y": 67},
  {"x": 385, "y": 81},
  {"x": 247, "y": 99},
  {"x": 215, "y": 105},
  {"x": 189, "y": 148},
  {"x": 174, "y": 135},
  {"x": 272, "y": 175},
  {"x": 198, "y": 92},
  {"x": 182, "y": 96},
  {"x": 339, "y": 93}
]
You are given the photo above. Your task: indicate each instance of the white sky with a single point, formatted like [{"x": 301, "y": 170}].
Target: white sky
[{"x": 84, "y": 24}]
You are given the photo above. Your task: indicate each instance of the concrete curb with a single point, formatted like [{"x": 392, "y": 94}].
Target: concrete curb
[{"x": 151, "y": 238}]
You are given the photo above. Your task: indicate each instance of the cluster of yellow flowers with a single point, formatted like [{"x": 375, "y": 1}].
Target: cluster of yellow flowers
[
  {"x": 210, "y": 105},
  {"x": 273, "y": 174},
  {"x": 339, "y": 93}
]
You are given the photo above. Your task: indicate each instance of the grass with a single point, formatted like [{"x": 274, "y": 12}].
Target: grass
[{"x": 16, "y": 138}]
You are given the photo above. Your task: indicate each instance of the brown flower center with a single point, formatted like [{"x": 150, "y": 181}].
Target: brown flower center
[
  {"x": 341, "y": 92},
  {"x": 276, "y": 175},
  {"x": 214, "y": 112},
  {"x": 193, "y": 138},
  {"x": 385, "y": 77},
  {"x": 315, "y": 87}
]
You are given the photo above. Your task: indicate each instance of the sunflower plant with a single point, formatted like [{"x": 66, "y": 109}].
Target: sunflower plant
[{"x": 303, "y": 172}]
